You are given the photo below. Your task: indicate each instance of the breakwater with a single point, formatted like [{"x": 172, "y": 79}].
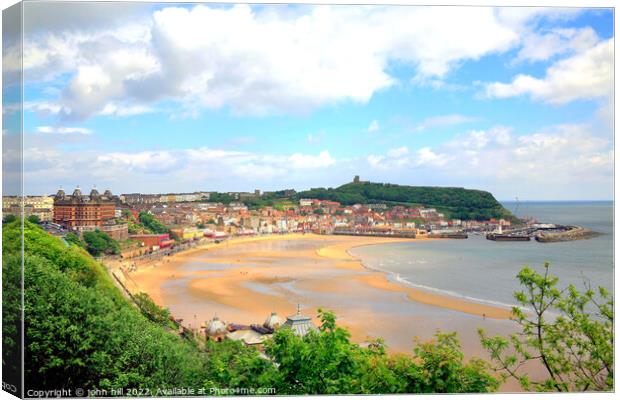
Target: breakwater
[
  {"x": 448, "y": 235},
  {"x": 568, "y": 234}
]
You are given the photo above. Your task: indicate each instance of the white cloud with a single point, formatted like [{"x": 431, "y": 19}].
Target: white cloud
[
  {"x": 558, "y": 162},
  {"x": 398, "y": 152},
  {"x": 427, "y": 157},
  {"x": 375, "y": 160},
  {"x": 401, "y": 157},
  {"x": 444, "y": 120},
  {"x": 304, "y": 161},
  {"x": 569, "y": 161},
  {"x": 47, "y": 166},
  {"x": 478, "y": 139},
  {"x": 586, "y": 75},
  {"x": 63, "y": 130},
  {"x": 150, "y": 162},
  {"x": 125, "y": 110},
  {"x": 373, "y": 127},
  {"x": 44, "y": 108},
  {"x": 264, "y": 60},
  {"x": 543, "y": 46}
]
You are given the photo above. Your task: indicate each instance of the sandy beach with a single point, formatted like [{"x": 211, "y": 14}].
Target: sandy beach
[{"x": 244, "y": 279}]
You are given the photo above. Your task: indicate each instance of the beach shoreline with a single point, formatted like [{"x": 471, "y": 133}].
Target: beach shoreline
[
  {"x": 151, "y": 276},
  {"x": 244, "y": 280}
]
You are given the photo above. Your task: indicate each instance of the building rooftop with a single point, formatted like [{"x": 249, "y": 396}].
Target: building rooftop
[
  {"x": 216, "y": 327},
  {"x": 247, "y": 336},
  {"x": 300, "y": 324},
  {"x": 273, "y": 322}
]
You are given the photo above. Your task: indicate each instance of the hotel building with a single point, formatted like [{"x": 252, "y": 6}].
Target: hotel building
[{"x": 78, "y": 211}]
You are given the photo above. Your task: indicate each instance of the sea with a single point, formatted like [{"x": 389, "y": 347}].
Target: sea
[{"x": 486, "y": 271}]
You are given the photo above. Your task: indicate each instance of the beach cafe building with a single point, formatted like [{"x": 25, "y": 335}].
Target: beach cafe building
[{"x": 255, "y": 335}]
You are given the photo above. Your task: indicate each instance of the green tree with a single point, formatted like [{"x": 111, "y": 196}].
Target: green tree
[
  {"x": 327, "y": 362},
  {"x": 575, "y": 347},
  {"x": 74, "y": 239},
  {"x": 152, "y": 224},
  {"x": 221, "y": 198},
  {"x": 453, "y": 202},
  {"x": 230, "y": 364},
  {"x": 79, "y": 330},
  {"x": 152, "y": 311},
  {"x": 439, "y": 368},
  {"x": 9, "y": 218},
  {"x": 34, "y": 219},
  {"x": 11, "y": 303},
  {"x": 98, "y": 243}
]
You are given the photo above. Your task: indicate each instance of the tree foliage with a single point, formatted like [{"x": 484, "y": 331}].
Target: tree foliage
[
  {"x": 221, "y": 198},
  {"x": 575, "y": 347},
  {"x": 79, "y": 330},
  {"x": 98, "y": 243},
  {"x": 8, "y": 218},
  {"x": 34, "y": 219},
  {"x": 459, "y": 203},
  {"x": 72, "y": 238},
  {"x": 152, "y": 311},
  {"x": 11, "y": 303},
  {"x": 152, "y": 224},
  {"x": 327, "y": 362}
]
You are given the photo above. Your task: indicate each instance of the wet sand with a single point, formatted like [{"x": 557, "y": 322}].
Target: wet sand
[
  {"x": 243, "y": 280},
  {"x": 254, "y": 276}
]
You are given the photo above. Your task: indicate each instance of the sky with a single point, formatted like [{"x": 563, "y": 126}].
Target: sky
[{"x": 181, "y": 97}]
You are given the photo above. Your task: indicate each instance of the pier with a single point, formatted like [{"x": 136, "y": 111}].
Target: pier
[{"x": 544, "y": 233}]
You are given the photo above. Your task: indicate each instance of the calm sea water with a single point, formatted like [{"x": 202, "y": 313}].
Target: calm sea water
[{"x": 485, "y": 271}]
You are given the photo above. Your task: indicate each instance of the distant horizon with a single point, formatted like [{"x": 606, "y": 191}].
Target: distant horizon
[{"x": 86, "y": 191}]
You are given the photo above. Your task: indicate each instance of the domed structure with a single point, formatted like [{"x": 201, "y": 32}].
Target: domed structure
[
  {"x": 60, "y": 194},
  {"x": 94, "y": 194},
  {"x": 77, "y": 192},
  {"x": 273, "y": 322},
  {"x": 216, "y": 329},
  {"x": 108, "y": 193}
]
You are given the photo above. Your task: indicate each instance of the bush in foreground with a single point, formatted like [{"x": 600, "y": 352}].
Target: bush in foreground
[{"x": 575, "y": 347}]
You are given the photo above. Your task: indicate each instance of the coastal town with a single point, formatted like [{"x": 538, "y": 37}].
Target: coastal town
[
  {"x": 147, "y": 223},
  {"x": 187, "y": 217},
  {"x": 140, "y": 230}
]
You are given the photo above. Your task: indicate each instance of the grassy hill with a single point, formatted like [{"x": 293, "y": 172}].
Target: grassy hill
[
  {"x": 455, "y": 202},
  {"x": 80, "y": 330}
]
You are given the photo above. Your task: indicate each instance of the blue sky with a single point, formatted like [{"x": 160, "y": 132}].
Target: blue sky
[{"x": 166, "y": 98}]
